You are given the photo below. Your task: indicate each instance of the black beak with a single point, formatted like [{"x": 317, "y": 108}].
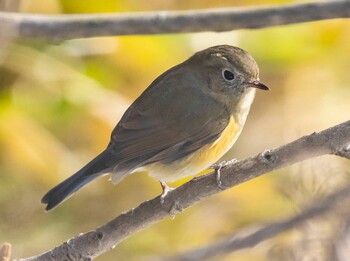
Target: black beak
[{"x": 258, "y": 85}]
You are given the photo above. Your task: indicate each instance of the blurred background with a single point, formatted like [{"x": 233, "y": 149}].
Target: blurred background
[{"x": 59, "y": 102}]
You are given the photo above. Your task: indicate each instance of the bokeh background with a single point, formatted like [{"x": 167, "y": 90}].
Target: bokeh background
[{"x": 59, "y": 102}]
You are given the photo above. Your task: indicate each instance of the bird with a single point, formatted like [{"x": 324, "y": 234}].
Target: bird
[{"x": 182, "y": 124}]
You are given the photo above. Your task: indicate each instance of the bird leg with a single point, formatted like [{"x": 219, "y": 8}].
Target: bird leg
[
  {"x": 166, "y": 190},
  {"x": 217, "y": 168}
]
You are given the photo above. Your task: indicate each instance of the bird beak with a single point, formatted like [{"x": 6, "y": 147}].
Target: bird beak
[{"x": 258, "y": 85}]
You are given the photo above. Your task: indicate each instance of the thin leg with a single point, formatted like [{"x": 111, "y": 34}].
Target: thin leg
[
  {"x": 217, "y": 167},
  {"x": 166, "y": 190}
]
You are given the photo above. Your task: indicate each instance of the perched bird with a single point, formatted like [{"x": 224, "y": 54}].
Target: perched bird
[{"x": 185, "y": 121}]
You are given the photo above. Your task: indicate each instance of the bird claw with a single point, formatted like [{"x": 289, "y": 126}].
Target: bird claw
[
  {"x": 217, "y": 168},
  {"x": 176, "y": 207},
  {"x": 166, "y": 190}
]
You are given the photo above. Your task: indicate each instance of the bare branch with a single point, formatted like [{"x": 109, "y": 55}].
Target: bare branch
[
  {"x": 105, "y": 237},
  {"x": 258, "y": 235},
  {"x": 65, "y": 27}
]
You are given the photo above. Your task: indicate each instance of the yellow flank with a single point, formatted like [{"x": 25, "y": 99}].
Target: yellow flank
[
  {"x": 200, "y": 159},
  {"x": 210, "y": 153}
]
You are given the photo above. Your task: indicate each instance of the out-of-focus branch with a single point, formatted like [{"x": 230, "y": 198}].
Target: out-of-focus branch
[
  {"x": 252, "y": 238},
  {"x": 104, "y": 238},
  {"x": 65, "y": 27},
  {"x": 5, "y": 252}
]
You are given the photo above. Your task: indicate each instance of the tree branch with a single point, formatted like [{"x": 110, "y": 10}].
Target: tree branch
[
  {"x": 257, "y": 236},
  {"x": 105, "y": 237},
  {"x": 65, "y": 27}
]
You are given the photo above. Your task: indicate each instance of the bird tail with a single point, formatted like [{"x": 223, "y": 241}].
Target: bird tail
[{"x": 94, "y": 169}]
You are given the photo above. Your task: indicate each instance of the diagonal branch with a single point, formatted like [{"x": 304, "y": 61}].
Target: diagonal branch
[
  {"x": 251, "y": 239},
  {"x": 94, "y": 243},
  {"x": 65, "y": 27}
]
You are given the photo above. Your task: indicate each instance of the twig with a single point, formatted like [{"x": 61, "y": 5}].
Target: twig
[
  {"x": 65, "y": 27},
  {"x": 268, "y": 231},
  {"x": 106, "y": 237}
]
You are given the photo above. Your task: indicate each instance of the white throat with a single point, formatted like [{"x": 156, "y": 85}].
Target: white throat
[{"x": 244, "y": 104}]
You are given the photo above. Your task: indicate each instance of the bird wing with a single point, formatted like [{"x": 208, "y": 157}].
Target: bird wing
[{"x": 170, "y": 120}]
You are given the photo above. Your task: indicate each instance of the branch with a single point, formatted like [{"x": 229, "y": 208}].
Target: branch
[
  {"x": 65, "y": 27},
  {"x": 238, "y": 242},
  {"x": 106, "y": 237}
]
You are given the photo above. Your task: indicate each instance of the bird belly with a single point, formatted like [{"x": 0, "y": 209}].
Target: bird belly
[{"x": 198, "y": 160}]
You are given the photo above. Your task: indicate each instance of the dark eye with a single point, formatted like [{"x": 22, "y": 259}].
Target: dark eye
[{"x": 228, "y": 75}]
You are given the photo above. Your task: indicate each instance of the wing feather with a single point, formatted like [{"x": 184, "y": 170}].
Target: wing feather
[{"x": 167, "y": 122}]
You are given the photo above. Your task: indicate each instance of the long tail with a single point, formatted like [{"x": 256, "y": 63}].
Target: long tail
[{"x": 94, "y": 169}]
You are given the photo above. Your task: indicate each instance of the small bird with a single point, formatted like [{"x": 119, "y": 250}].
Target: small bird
[{"x": 185, "y": 121}]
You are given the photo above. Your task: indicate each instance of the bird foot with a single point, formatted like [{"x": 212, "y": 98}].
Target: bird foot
[
  {"x": 217, "y": 168},
  {"x": 176, "y": 207},
  {"x": 166, "y": 190}
]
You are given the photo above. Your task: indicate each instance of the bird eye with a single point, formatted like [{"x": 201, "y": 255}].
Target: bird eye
[{"x": 228, "y": 75}]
